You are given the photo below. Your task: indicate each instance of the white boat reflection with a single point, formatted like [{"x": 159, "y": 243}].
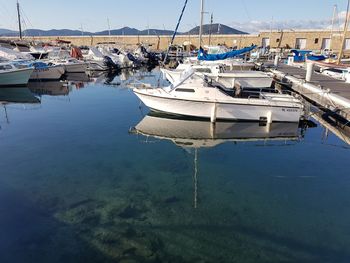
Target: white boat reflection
[
  {"x": 197, "y": 134},
  {"x": 194, "y": 135},
  {"x": 20, "y": 95},
  {"x": 53, "y": 88}
]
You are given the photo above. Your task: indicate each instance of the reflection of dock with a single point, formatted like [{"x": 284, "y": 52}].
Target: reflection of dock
[
  {"x": 327, "y": 92},
  {"x": 338, "y": 129}
]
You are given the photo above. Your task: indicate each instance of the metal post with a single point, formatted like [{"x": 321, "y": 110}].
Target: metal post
[
  {"x": 346, "y": 25},
  {"x": 201, "y": 24}
]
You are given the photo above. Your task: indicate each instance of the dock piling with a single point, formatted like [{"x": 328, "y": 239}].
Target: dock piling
[{"x": 309, "y": 71}]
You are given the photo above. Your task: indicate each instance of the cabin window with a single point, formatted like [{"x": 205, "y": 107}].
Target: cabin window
[
  {"x": 4, "y": 67},
  {"x": 203, "y": 70},
  {"x": 184, "y": 90},
  {"x": 316, "y": 40}
]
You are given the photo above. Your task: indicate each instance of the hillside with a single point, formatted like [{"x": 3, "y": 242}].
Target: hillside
[{"x": 215, "y": 29}]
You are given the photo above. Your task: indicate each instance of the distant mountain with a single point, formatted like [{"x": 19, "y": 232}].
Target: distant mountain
[
  {"x": 128, "y": 31},
  {"x": 7, "y": 31},
  {"x": 216, "y": 29}
]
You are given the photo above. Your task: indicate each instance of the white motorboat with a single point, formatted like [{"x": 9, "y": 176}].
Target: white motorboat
[
  {"x": 42, "y": 71},
  {"x": 193, "y": 96},
  {"x": 58, "y": 56},
  {"x": 14, "y": 75},
  {"x": 98, "y": 62},
  {"x": 118, "y": 57},
  {"x": 246, "y": 79}
]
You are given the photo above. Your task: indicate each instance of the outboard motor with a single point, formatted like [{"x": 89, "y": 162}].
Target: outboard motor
[
  {"x": 110, "y": 64},
  {"x": 116, "y": 51},
  {"x": 133, "y": 59}
]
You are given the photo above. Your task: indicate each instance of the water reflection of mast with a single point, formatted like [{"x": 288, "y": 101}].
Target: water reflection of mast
[{"x": 195, "y": 179}]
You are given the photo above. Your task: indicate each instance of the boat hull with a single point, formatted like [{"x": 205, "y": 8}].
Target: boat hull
[
  {"x": 239, "y": 110},
  {"x": 50, "y": 73},
  {"x": 15, "y": 78},
  {"x": 75, "y": 68}
]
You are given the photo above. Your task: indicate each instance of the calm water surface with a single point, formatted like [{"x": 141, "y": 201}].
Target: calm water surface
[{"x": 86, "y": 176}]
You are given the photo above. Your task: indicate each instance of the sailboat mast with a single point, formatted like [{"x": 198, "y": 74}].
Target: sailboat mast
[
  {"x": 332, "y": 30},
  {"x": 210, "y": 28},
  {"x": 344, "y": 33},
  {"x": 19, "y": 21},
  {"x": 201, "y": 24}
]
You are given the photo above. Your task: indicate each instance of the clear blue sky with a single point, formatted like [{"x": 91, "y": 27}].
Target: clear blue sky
[{"x": 92, "y": 14}]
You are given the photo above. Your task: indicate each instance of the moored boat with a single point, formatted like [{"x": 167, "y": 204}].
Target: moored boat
[
  {"x": 12, "y": 75},
  {"x": 194, "y": 96}
]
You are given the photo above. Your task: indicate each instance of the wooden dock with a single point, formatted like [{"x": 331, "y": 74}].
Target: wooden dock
[{"x": 326, "y": 92}]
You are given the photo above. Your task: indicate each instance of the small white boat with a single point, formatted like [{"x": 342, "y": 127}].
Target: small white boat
[
  {"x": 12, "y": 75},
  {"x": 58, "y": 56},
  {"x": 217, "y": 72},
  {"x": 193, "y": 96},
  {"x": 119, "y": 57},
  {"x": 98, "y": 62}
]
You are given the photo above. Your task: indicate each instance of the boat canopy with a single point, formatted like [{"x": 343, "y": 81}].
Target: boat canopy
[
  {"x": 300, "y": 55},
  {"x": 202, "y": 55},
  {"x": 316, "y": 57},
  {"x": 11, "y": 54},
  {"x": 38, "y": 65}
]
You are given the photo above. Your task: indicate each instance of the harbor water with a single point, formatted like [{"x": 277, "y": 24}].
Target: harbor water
[{"x": 87, "y": 175}]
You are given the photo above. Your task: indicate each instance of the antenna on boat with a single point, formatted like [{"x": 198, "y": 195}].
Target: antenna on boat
[
  {"x": 19, "y": 21},
  {"x": 82, "y": 29},
  {"x": 346, "y": 26},
  {"x": 201, "y": 24},
  {"x": 109, "y": 27},
  {"x": 210, "y": 28},
  {"x": 332, "y": 29}
]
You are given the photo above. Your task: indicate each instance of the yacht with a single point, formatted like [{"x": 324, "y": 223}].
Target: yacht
[{"x": 194, "y": 95}]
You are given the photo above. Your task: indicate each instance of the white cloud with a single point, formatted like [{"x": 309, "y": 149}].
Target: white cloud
[{"x": 256, "y": 26}]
